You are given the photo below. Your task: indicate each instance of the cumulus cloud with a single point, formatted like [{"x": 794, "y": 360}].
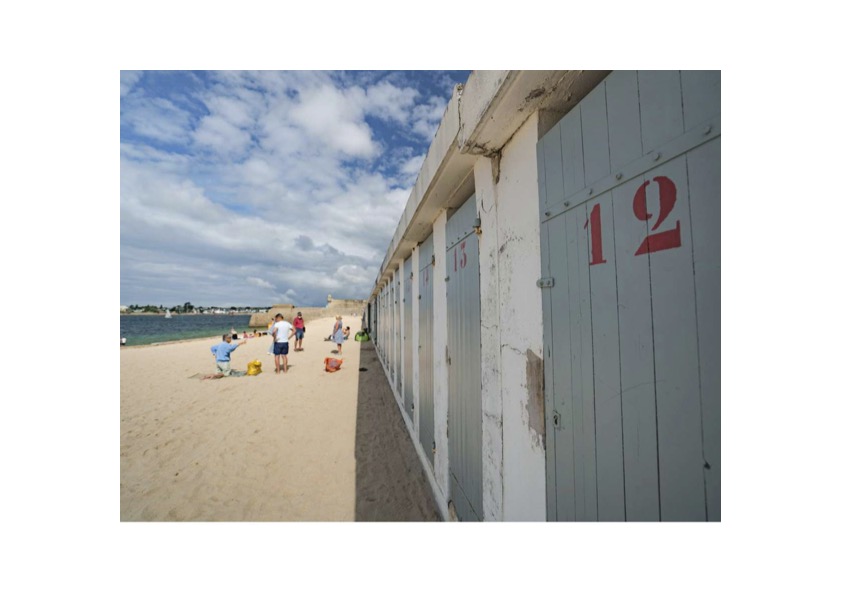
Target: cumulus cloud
[
  {"x": 157, "y": 119},
  {"x": 221, "y": 136},
  {"x": 389, "y": 102},
  {"x": 412, "y": 166},
  {"x": 252, "y": 188},
  {"x": 335, "y": 117},
  {"x": 427, "y": 117},
  {"x": 128, "y": 78},
  {"x": 257, "y": 282}
]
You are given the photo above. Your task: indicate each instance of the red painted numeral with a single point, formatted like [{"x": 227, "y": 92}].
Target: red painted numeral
[
  {"x": 596, "y": 235},
  {"x": 463, "y": 263},
  {"x": 668, "y": 197}
]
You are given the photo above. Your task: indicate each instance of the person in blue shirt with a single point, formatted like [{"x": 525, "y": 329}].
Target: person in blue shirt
[{"x": 222, "y": 353}]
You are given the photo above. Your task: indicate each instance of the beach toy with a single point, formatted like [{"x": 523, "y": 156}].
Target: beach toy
[
  {"x": 254, "y": 367},
  {"x": 331, "y": 364},
  {"x": 362, "y": 336}
]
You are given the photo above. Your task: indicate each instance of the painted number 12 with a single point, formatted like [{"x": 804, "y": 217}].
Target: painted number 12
[{"x": 653, "y": 242}]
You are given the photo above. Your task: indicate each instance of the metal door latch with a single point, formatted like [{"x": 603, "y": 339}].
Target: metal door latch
[{"x": 545, "y": 282}]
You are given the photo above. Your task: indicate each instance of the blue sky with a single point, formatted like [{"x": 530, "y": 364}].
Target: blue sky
[{"x": 254, "y": 188}]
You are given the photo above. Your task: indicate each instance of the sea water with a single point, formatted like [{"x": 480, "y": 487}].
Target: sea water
[{"x": 143, "y": 329}]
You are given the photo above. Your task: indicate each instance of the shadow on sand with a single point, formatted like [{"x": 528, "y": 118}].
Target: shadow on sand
[{"x": 390, "y": 482}]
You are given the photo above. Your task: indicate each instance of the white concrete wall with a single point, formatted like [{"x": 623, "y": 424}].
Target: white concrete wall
[
  {"x": 486, "y": 207},
  {"x": 521, "y": 328},
  {"x": 439, "y": 344}
]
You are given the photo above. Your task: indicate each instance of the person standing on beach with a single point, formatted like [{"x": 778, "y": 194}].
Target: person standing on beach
[
  {"x": 270, "y": 327},
  {"x": 298, "y": 323},
  {"x": 222, "y": 352},
  {"x": 338, "y": 333},
  {"x": 282, "y": 331}
]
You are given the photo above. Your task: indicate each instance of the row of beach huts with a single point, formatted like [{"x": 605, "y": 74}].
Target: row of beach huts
[{"x": 548, "y": 311}]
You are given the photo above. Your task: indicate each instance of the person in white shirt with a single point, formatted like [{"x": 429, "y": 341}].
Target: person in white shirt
[{"x": 281, "y": 332}]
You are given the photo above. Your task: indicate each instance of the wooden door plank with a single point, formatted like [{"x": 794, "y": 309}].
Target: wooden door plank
[
  {"x": 705, "y": 204},
  {"x": 606, "y": 371},
  {"x": 636, "y": 345}
]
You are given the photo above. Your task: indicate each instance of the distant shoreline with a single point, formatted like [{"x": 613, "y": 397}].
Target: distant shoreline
[
  {"x": 177, "y": 314},
  {"x": 209, "y": 336}
]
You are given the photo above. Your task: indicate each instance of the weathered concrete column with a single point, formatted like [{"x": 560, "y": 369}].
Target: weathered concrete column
[
  {"x": 521, "y": 328},
  {"x": 439, "y": 362},
  {"x": 511, "y": 332},
  {"x": 486, "y": 208}
]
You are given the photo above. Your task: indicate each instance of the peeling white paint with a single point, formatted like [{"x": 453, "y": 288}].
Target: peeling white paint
[
  {"x": 439, "y": 344},
  {"x": 521, "y": 322},
  {"x": 492, "y": 427}
]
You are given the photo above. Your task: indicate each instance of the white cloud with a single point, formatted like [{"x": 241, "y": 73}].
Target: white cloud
[
  {"x": 428, "y": 116},
  {"x": 390, "y": 102},
  {"x": 279, "y": 192},
  {"x": 257, "y": 282},
  {"x": 157, "y": 118},
  {"x": 221, "y": 136},
  {"x": 412, "y": 166},
  {"x": 128, "y": 78},
  {"x": 237, "y": 111},
  {"x": 335, "y": 118}
]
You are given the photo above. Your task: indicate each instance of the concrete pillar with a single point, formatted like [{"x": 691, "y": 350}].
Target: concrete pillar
[
  {"x": 492, "y": 462},
  {"x": 521, "y": 328},
  {"x": 439, "y": 343}
]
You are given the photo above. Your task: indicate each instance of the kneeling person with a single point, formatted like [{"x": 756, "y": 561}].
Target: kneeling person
[{"x": 222, "y": 352}]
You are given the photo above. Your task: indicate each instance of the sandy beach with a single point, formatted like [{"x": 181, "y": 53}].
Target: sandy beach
[{"x": 302, "y": 446}]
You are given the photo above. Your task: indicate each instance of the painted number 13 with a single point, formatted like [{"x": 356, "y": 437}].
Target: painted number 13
[
  {"x": 462, "y": 261},
  {"x": 653, "y": 242}
]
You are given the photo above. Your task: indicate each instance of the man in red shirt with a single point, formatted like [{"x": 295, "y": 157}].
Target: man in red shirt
[{"x": 298, "y": 323}]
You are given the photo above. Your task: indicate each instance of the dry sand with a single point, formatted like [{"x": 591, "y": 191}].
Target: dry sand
[{"x": 302, "y": 446}]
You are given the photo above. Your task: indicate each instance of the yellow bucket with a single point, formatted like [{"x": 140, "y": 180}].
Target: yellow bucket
[{"x": 254, "y": 368}]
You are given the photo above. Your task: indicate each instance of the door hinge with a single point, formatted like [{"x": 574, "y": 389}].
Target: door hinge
[{"x": 545, "y": 282}]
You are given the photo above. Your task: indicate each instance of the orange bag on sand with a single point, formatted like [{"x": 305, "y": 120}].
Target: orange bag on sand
[{"x": 331, "y": 364}]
